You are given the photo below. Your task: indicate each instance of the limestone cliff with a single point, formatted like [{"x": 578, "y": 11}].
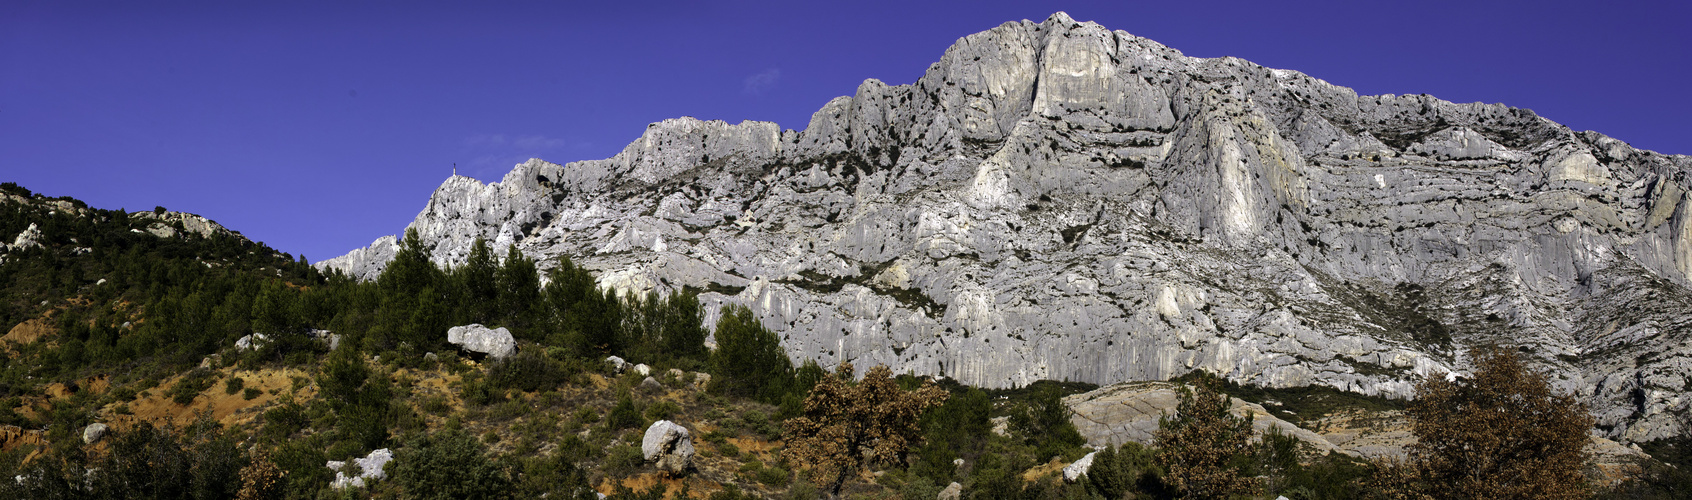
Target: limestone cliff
[{"x": 1056, "y": 200}]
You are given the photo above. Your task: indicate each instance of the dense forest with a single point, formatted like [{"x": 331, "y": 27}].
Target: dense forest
[{"x": 363, "y": 366}]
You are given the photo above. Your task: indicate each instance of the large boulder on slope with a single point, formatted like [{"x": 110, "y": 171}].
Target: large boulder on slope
[
  {"x": 496, "y": 343},
  {"x": 668, "y": 446}
]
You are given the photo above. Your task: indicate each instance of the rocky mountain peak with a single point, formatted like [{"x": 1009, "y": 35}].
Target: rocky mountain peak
[{"x": 1056, "y": 200}]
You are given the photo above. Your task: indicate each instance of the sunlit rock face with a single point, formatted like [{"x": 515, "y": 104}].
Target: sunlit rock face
[{"x": 1056, "y": 200}]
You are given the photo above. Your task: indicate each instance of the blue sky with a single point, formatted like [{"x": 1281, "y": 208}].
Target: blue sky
[{"x": 317, "y": 127}]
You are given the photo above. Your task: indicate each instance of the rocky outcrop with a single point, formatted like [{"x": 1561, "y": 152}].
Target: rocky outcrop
[
  {"x": 668, "y": 446},
  {"x": 496, "y": 343},
  {"x": 1078, "y": 469},
  {"x": 29, "y": 238},
  {"x": 168, "y": 224},
  {"x": 369, "y": 467},
  {"x": 1129, "y": 412},
  {"x": 1055, "y": 200}
]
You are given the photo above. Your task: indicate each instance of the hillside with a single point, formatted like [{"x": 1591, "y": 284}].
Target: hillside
[
  {"x": 1025, "y": 262},
  {"x": 236, "y": 371}
]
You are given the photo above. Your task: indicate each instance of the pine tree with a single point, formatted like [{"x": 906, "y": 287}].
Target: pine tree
[
  {"x": 481, "y": 291},
  {"x": 749, "y": 361},
  {"x": 519, "y": 292}
]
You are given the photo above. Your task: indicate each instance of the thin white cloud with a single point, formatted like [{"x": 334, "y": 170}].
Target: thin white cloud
[{"x": 760, "y": 82}]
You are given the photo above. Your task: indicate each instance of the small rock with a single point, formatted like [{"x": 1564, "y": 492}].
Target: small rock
[
  {"x": 496, "y": 343},
  {"x": 370, "y": 469},
  {"x": 701, "y": 380},
  {"x": 642, "y": 369},
  {"x": 957, "y": 462},
  {"x": 676, "y": 372},
  {"x": 431, "y": 356},
  {"x": 953, "y": 491},
  {"x": 668, "y": 445},
  {"x": 1075, "y": 471},
  {"x": 651, "y": 385},
  {"x": 93, "y": 433},
  {"x": 617, "y": 364}
]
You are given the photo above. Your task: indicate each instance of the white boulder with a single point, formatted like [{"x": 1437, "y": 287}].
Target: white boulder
[
  {"x": 668, "y": 445},
  {"x": 496, "y": 343},
  {"x": 93, "y": 433}
]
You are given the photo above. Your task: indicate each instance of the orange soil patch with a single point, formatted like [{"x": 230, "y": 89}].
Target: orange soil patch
[
  {"x": 1047, "y": 469},
  {"x": 29, "y": 331},
  {"x": 754, "y": 445},
  {"x": 697, "y": 487},
  {"x": 231, "y": 410}
]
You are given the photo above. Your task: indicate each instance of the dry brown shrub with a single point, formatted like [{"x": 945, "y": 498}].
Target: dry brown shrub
[{"x": 846, "y": 426}]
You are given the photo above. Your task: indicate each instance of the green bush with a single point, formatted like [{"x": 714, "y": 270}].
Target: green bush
[
  {"x": 774, "y": 476},
  {"x": 662, "y": 410},
  {"x": 448, "y": 465},
  {"x": 436, "y": 405},
  {"x": 624, "y": 415},
  {"x": 728, "y": 449},
  {"x": 621, "y": 460},
  {"x": 251, "y": 393},
  {"x": 284, "y": 420},
  {"x": 529, "y": 371},
  {"x": 191, "y": 385},
  {"x": 233, "y": 385}
]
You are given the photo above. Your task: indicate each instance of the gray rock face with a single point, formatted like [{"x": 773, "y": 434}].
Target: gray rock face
[
  {"x": 668, "y": 445},
  {"x": 1056, "y": 200},
  {"x": 496, "y": 343},
  {"x": 93, "y": 433}
]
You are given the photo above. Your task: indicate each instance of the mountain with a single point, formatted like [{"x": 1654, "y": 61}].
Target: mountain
[{"x": 1056, "y": 200}]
